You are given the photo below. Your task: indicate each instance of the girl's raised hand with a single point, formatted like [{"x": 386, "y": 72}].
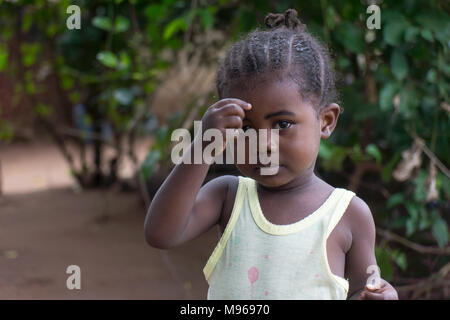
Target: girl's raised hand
[{"x": 225, "y": 114}]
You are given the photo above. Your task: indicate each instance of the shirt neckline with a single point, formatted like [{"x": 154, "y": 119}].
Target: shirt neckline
[{"x": 284, "y": 229}]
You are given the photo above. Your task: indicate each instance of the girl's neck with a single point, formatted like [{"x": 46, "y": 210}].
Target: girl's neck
[{"x": 301, "y": 183}]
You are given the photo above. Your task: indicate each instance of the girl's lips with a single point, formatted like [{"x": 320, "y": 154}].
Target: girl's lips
[
  {"x": 265, "y": 166},
  {"x": 258, "y": 168}
]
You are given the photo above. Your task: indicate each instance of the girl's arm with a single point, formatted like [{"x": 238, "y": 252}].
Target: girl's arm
[
  {"x": 360, "y": 262},
  {"x": 181, "y": 210}
]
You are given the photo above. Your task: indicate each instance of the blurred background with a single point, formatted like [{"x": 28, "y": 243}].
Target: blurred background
[{"x": 86, "y": 116}]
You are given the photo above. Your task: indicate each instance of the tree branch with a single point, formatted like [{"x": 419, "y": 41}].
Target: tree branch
[{"x": 414, "y": 246}]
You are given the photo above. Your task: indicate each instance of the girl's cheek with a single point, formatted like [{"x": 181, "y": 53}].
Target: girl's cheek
[{"x": 304, "y": 150}]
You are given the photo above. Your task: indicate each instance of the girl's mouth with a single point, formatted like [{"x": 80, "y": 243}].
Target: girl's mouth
[{"x": 267, "y": 170}]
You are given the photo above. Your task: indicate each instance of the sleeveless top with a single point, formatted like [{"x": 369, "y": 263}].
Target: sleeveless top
[{"x": 256, "y": 259}]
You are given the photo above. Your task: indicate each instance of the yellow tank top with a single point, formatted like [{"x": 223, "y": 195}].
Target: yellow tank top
[{"x": 256, "y": 259}]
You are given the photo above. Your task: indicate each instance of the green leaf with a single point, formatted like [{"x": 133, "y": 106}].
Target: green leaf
[
  {"x": 103, "y": 23},
  {"x": 432, "y": 75},
  {"x": 162, "y": 137},
  {"x": 43, "y": 109},
  {"x": 441, "y": 179},
  {"x": 3, "y": 57},
  {"x": 30, "y": 88},
  {"x": 413, "y": 211},
  {"x": 410, "y": 227},
  {"x": 399, "y": 258},
  {"x": 154, "y": 12},
  {"x": 394, "y": 27},
  {"x": 427, "y": 35},
  {"x": 394, "y": 200},
  {"x": 419, "y": 190},
  {"x": 107, "y": 58},
  {"x": 330, "y": 17},
  {"x": 411, "y": 33},
  {"x": 387, "y": 95},
  {"x": 124, "y": 61},
  {"x": 438, "y": 22},
  {"x": 29, "y": 53},
  {"x": 383, "y": 261},
  {"x": 324, "y": 150},
  {"x": 206, "y": 17},
  {"x": 51, "y": 29},
  {"x": 386, "y": 172},
  {"x": 178, "y": 24},
  {"x": 398, "y": 223},
  {"x": 440, "y": 231},
  {"x": 333, "y": 158},
  {"x": 409, "y": 100},
  {"x": 27, "y": 21},
  {"x": 424, "y": 222},
  {"x": 350, "y": 36},
  {"x": 121, "y": 24},
  {"x": 6, "y": 131},
  {"x": 75, "y": 97},
  {"x": 356, "y": 155},
  {"x": 373, "y": 151},
  {"x": 399, "y": 65},
  {"x": 67, "y": 82},
  {"x": 444, "y": 63}
]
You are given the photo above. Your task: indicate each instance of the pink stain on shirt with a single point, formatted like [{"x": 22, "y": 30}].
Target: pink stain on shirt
[
  {"x": 253, "y": 274},
  {"x": 266, "y": 256}
]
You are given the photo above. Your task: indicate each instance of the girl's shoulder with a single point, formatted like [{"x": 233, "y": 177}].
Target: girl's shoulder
[
  {"x": 357, "y": 210},
  {"x": 358, "y": 216}
]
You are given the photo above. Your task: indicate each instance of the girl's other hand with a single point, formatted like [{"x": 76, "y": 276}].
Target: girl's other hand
[{"x": 384, "y": 292}]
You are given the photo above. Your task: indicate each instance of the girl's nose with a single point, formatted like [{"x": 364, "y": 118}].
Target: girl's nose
[{"x": 268, "y": 141}]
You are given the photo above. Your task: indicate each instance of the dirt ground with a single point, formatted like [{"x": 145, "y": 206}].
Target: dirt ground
[{"x": 45, "y": 226}]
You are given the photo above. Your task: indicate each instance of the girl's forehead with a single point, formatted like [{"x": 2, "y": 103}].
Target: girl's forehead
[{"x": 271, "y": 94}]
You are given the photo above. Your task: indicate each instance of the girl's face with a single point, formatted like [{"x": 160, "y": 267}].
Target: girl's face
[{"x": 277, "y": 105}]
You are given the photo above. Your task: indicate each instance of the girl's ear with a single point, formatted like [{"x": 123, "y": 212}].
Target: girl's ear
[{"x": 328, "y": 120}]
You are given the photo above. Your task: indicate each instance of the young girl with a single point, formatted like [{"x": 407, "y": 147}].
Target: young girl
[{"x": 289, "y": 235}]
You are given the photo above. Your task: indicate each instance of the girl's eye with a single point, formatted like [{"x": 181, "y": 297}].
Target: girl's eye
[{"x": 283, "y": 124}]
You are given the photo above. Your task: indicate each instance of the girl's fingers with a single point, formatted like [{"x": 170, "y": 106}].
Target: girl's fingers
[
  {"x": 233, "y": 122},
  {"x": 373, "y": 287},
  {"x": 232, "y": 109},
  {"x": 390, "y": 296},
  {"x": 366, "y": 295},
  {"x": 376, "y": 285},
  {"x": 245, "y": 105}
]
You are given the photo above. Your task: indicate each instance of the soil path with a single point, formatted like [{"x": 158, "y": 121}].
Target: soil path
[{"x": 45, "y": 226}]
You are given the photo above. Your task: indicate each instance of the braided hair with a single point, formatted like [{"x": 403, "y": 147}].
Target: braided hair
[{"x": 285, "y": 50}]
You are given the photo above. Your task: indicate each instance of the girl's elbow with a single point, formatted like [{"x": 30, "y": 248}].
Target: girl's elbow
[{"x": 155, "y": 241}]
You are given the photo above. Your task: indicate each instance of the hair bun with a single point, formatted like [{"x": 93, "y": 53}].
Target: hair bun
[{"x": 288, "y": 19}]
